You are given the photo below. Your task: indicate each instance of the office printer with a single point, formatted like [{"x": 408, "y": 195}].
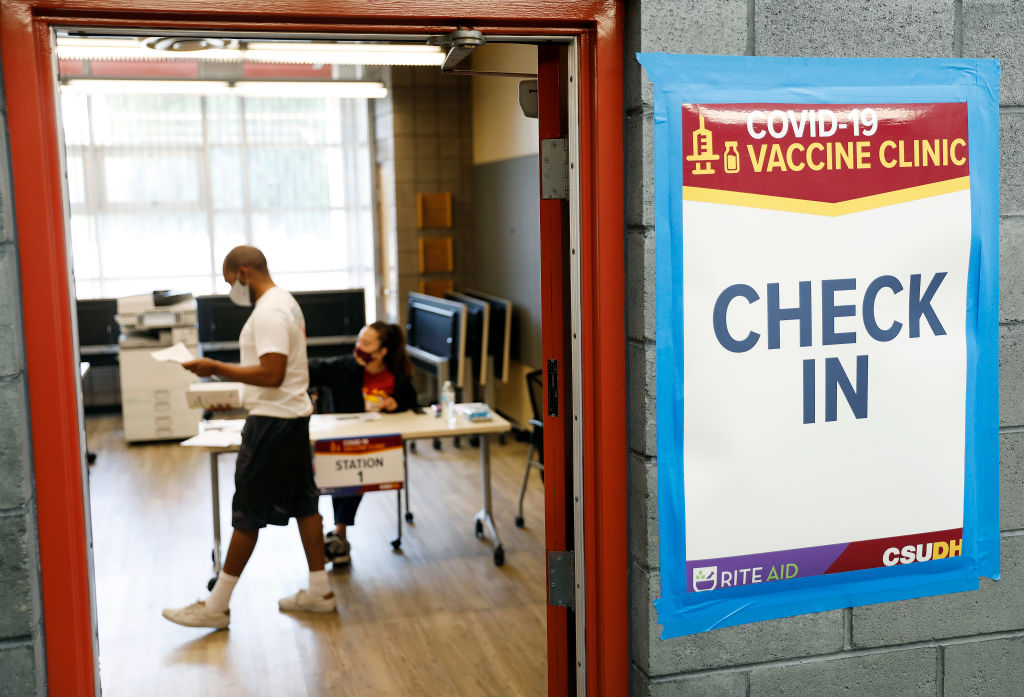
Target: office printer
[
  {"x": 160, "y": 318},
  {"x": 153, "y": 399}
]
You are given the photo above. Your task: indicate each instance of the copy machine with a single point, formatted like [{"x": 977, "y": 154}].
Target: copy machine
[{"x": 153, "y": 392}]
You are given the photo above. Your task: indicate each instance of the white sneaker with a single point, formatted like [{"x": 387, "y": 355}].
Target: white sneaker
[
  {"x": 197, "y": 615},
  {"x": 305, "y": 602}
]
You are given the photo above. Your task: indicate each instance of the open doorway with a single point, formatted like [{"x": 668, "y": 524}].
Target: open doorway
[
  {"x": 27, "y": 56},
  {"x": 344, "y": 192}
]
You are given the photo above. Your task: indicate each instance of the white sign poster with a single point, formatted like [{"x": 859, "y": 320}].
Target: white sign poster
[{"x": 827, "y": 288}]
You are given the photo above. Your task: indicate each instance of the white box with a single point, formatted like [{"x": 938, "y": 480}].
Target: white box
[
  {"x": 474, "y": 411},
  {"x": 209, "y": 395}
]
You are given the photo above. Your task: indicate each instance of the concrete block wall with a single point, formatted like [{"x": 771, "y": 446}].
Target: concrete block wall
[
  {"x": 433, "y": 150},
  {"x": 21, "y": 626},
  {"x": 964, "y": 645}
]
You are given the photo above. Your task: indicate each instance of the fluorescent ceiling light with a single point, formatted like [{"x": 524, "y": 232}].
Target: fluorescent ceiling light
[
  {"x": 242, "y": 88},
  {"x": 75, "y": 48},
  {"x": 341, "y": 48},
  {"x": 96, "y": 86},
  {"x": 116, "y": 53},
  {"x": 86, "y": 41},
  {"x": 267, "y": 88},
  {"x": 375, "y": 57},
  {"x": 345, "y": 54}
]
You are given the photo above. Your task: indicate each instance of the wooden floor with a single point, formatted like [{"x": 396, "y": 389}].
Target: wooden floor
[{"x": 436, "y": 618}]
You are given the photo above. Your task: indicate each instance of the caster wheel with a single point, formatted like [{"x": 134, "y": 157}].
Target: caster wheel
[
  {"x": 412, "y": 446},
  {"x": 437, "y": 444},
  {"x": 90, "y": 457},
  {"x": 478, "y": 530},
  {"x": 519, "y": 521},
  {"x": 499, "y": 556},
  {"x": 474, "y": 441},
  {"x": 395, "y": 544},
  {"x": 408, "y": 516},
  {"x": 211, "y": 583}
]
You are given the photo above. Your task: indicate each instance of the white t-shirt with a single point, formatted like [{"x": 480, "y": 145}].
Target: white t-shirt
[{"x": 276, "y": 325}]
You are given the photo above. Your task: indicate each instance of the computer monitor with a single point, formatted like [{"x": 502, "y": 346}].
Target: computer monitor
[
  {"x": 500, "y": 340},
  {"x": 219, "y": 319},
  {"x": 332, "y": 312},
  {"x": 438, "y": 326},
  {"x": 478, "y": 327},
  {"x": 97, "y": 325},
  {"x": 327, "y": 313}
]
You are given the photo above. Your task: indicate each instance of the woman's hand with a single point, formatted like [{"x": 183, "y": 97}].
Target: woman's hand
[{"x": 389, "y": 404}]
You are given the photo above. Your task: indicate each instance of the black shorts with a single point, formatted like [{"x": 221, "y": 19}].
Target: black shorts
[{"x": 273, "y": 473}]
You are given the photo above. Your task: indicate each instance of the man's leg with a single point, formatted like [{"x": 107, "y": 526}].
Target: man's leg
[
  {"x": 240, "y": 548},
  {"x": 318, "y": 597},
  {"x": 310, "y": 529},
  {"x": 250, "y": 464},
  {"x": 213, "y": 612}
]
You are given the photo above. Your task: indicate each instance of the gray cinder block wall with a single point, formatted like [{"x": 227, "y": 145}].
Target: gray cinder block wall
[
  {"x": 962, "y": 645},
  {"x": 21, "y": 624}
]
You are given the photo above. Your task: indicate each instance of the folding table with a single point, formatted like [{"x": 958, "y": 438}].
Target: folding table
[{"x": 221, "y": 436}]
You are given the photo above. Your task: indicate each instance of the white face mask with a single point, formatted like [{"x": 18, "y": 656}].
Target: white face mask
[{"x": 239, "y": 294}]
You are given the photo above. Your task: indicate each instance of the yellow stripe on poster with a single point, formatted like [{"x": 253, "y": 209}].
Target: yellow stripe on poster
[{"x": 795, "y": 205}]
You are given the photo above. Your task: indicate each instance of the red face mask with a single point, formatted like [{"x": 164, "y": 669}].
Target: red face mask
[{"x": 364, "y": 356}]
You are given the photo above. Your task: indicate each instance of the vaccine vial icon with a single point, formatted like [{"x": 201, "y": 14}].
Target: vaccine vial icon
[
  {"x": 703, "y": 151},
  {"x": 732, "y": 157}
]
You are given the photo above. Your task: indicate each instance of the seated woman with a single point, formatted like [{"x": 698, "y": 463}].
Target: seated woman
[{"x": 376, "y": 377}]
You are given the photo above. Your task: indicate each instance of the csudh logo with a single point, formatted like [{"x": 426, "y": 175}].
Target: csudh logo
[
  {"x": 909, "y": 554},
  {"x": 705, "y": 578}
]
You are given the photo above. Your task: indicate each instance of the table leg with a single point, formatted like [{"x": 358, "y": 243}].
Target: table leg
[
  {"x": 215, "y": 488},
  {"x": 484, "y": 517},
  {"x": 405, "y": 473},
  {"x": 397, "y": 542}
]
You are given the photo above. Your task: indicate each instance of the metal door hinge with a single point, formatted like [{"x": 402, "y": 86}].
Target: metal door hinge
[
  {"x": 554, "y": 168},
  {"x": 562, "y": 579},
  {"x": 552, "y": 387}
]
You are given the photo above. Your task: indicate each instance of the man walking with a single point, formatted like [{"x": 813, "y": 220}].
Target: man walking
[{"x": 273, "y": 472}]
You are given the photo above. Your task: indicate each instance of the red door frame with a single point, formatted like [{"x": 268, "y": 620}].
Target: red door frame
[
  {"x": 27, "y": 63},
  {"x": 552, "y": 123}
]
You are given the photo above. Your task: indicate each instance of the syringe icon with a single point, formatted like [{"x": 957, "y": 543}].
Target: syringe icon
[{"x": 703, "y": 150}]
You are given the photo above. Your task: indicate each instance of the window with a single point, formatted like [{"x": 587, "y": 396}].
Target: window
[{"x": 161, "y": 187}]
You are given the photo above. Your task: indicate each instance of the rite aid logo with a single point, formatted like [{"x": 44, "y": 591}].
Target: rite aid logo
[{"x": 705, "y": 578}]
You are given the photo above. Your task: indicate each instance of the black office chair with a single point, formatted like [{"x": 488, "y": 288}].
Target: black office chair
[
  {"x": 322, "y": 398},
  {"x": 535, "y": 455}
]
